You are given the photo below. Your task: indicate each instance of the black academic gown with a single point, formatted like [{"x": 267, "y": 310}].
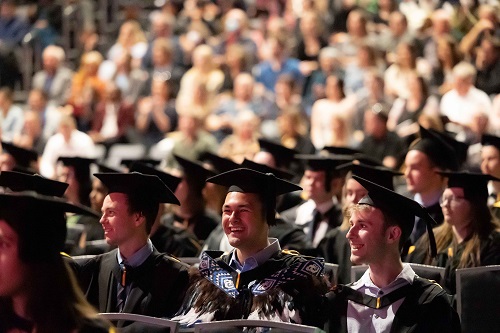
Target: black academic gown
[
  {"x": 202, "y": 224},
  {"x": 298, "y": 293},
  {"x": 157, "y": 289},
  {"x": 425, "y": 309},
  {"x": 335, "y": 249},
  {"x": 289, "y": 236},
  {"x": 175, "y": 241}
]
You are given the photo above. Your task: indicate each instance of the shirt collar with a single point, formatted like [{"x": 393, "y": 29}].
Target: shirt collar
[
  {"x": 257, "y": 259},
  {"x": 437, "y": 196},
  {"x": 138, "y": 257},
  {"x": 406, "y": 276}
]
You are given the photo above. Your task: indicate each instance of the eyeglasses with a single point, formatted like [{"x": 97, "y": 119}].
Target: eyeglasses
[{"x": 451, "y": 199}]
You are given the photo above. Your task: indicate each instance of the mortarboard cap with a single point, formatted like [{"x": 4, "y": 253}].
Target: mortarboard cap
[
  {"x": 194, "y": 172},
  {"x": 170, "y": 180},
  {"x": 128, "y": 162},
  {"x": 282, "y": 155},
  {"x": 19, "y": 182},
  {"x": 23, "y": 157},
  {"x": 475, "y": 185},
  {"x": 135, "y": 182},
  {"x": 401, "y": 208},
  {"x": 366, "y": 159},
  {"x": 219, "y": 163},
  {"x": 461, "y": 148},
  {"x": 490, "y": 140},
  {"x": 323, "y": 163},
  {"x": 377, "y": 174},
  {"x": 266, "y": 185},
  {"x": 39, "y": 222},
  {"x": 341, "y": 150},
  {"x": 438, "y": 150},
  {"x": 80, "y": 165},
  {"x": 266, "y": 169}
]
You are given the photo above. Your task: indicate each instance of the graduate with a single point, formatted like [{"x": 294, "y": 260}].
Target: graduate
[
  {"x": 257, "y": 280},
  {"x": 167, "y": 238},
  {"x": 135, "y": 277},
  {"x": 334, "y": 247},
  {"x": 15, "y": 158},
  {"x": 389, "y": 297},
  {"x": 469, "y": 237},
  {"x": 38, "y": 292}
]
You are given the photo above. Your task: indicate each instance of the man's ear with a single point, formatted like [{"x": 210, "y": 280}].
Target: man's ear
[
  {"x": 393, "y": 234},
  {"x": 139, "y": 219}
]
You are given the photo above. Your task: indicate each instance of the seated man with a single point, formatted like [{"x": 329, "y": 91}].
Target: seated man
[
  {"x": 135, "y": 277},
  {"x": 257, "y": 280},
  {"x": 389, "y": 296}
]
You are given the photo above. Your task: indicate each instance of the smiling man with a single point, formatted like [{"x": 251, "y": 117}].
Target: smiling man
[
  {"x": 135, "y": 277},
  {"x": 389, "y": 297},
  {"x": 257, "y": 280}
]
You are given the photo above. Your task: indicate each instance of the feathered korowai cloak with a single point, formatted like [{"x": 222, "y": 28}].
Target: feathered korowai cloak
[{"x": 288, "y": 287}]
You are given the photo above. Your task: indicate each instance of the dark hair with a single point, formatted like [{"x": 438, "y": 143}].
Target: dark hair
[{"x": 140, "y": 203}]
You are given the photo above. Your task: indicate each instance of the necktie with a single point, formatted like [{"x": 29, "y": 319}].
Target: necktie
[
  {"x": 317, "y": 217},
  {"x": 122, "y": 288}
]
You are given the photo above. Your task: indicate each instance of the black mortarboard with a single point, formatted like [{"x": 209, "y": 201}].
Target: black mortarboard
[
  {"x": 341, "y": 150},
  {"x": 194, "y": 172},
  {"x": 266, "y": 169},
  {"x": 323, "y": 163},
  {"x": 461, "y": 148},
  {"x": 379, "y": 175},
  {"x": 475, "y": 185},
  {"x": 402, "y": 209},
  {"x": 81, "y": 164},
  {"x": 266, "y": 185},
  {"x": 18, "y": 182},
  {"x": 283, "y": 156},
  {"x": 23, "y": 157},
  {"x": 103, "y": 168},
  {"x": 219, "y": 163},
  {"x": 170, "y": 180},
  {"x": 438, "y": 151},
  {"x": 366, "y": 159},
  {"x": 39, "y": 222},
  {"x": 128, "y": 162},
  {"x": 134, "y": 182},
  {"x": 490, "y": 140}
]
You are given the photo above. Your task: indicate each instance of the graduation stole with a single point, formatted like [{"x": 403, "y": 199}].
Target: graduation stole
[
  {"x": 223, "y": 279},
  {"x": 371, "y": 301}
]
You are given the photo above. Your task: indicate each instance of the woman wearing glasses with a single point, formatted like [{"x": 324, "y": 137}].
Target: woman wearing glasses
[{"x": 469, "y": 236}]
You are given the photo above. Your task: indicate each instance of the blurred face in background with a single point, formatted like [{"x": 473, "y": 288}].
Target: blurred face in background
[{"x": 490, "y": 161}]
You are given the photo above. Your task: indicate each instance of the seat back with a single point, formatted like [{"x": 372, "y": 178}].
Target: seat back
[
  {"x": 239, "y": 324},
  {"x": 331, "y": 271},
  {"x": 143, "y": 323},
  {"x": 477, "y": 303},
  {"x": 429, "y": 272},
  {"x": 357, "y": 272}
]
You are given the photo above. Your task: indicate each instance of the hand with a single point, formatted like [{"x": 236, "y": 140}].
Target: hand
[{"x": 145, "y": 106}]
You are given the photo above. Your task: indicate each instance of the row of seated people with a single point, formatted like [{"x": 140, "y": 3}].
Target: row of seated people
[{"x": 463, "y": 188}]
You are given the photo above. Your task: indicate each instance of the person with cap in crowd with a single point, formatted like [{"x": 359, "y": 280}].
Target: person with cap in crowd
[
  {"x": 490, "y": 165},
  {"x": 389, "y": 296},
  {"x": 167, "y": 238},
  {"x": 76, "y": 172},
  {"x": 281, "y": 158},
  {"x": 426, "y": 155},
  {"x": 323, "y": 189},
  {"x": 38, "y": 291},
  {"x": 257, "y": 280},
  {"x": 15, "y": 158},
  {"x": 334, "y": 247},
  {"x": 135, "y": 277},
  {"x": 288, "y": 234},
  {"x": 192, "y": 214},
  {"x": 469, "y": 237},
  {"x": 213, "y": 194}
]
